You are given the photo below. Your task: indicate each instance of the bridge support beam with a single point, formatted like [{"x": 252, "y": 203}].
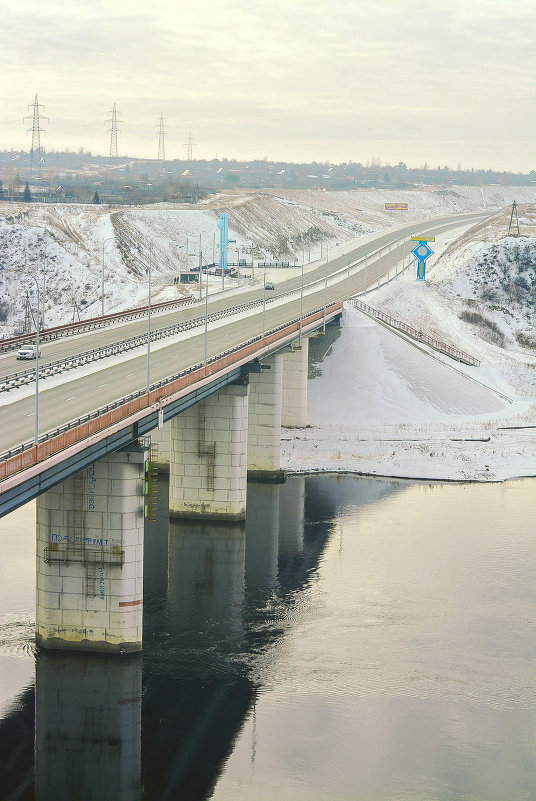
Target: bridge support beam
[
  {"x": 295, "y": 369},
  {"x": 264, "y": 424},
  {"x": 208, "y": 457},
  {"x": 90, "y": 557}
]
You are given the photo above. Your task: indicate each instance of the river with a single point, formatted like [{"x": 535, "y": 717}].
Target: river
[{"x": 359, "y": 639}]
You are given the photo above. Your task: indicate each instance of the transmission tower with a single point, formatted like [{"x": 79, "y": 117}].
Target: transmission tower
[
  {"x": 113, "y": 131},
  {"x": 36, "y": 130},
  {"x": 514, "y": 224},
  {"x": 161, "y": 134},
  {"x": 189, "y": 145}
]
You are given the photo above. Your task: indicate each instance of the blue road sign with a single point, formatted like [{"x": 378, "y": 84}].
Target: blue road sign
[{"x": 421, "y": 253}]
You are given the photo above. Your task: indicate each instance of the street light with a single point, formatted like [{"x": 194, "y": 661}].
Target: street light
[
  {"x": 301, "y": 305},
  {"x": 264, "y": 297},
  {"x": 110, "y": 238},
  {"x": 206, "y": 304},
  {"x": 149, "y": 323},
  {"x": 37, "y": 324}
]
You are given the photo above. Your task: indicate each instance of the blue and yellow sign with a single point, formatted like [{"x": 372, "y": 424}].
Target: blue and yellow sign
[{"x": 421, "y": 253}]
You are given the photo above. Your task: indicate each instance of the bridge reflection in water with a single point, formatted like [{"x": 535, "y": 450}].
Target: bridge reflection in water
[{"x": 161, "y": 725}]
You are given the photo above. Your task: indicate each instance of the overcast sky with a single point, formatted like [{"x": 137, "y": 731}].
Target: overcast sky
[{"x": 436, "y": 81}]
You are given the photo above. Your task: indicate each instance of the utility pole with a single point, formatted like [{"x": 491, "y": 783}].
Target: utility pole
[
  {"x": 161, "y": 144},
  {"x": 36, "y": 130},
  {"x": 514, "y": 225},
  {"x": 189, "y": 145},
  {"x": 113, "y": 131}
]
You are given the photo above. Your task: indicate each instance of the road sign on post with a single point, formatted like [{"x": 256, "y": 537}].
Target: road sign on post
[{"x": 421, "y": 253}]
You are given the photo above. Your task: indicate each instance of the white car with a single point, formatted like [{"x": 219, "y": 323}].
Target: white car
[{"x": 28, "y": 352}]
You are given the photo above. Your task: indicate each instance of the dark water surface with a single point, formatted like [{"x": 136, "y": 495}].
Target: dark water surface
[{"x": 358, "y": 639}]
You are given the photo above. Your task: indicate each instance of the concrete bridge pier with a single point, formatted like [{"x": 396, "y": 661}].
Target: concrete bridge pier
[
  {"x": 264, "y": 424},
  {"x": 294, "y": 399},
  {"x": 90, "y": 557},
  {"x": 208, "y": 457}
]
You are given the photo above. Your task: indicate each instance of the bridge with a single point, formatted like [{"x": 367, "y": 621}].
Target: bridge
[{"x": 212, "y": 383}]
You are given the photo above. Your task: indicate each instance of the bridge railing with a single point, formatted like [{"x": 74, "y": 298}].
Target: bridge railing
[
  {"x": 74, "y": 431},
  {"x": 50, "y": 334},
  {"x": 442, "y": 347}
]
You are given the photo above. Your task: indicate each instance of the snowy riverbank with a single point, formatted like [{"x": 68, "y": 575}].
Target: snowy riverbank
[{"x": 384, "y": 405}]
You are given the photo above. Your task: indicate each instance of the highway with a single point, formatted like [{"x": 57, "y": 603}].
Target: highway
[{"x": 76, "y": 392}]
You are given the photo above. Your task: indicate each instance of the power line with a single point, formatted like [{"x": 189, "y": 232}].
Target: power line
[
  {"x": 113, "y": 131},
  {"x": 161, "y": 134},
  {"x": 189, "y": 145},
  {"x": 35, "y": 129}
]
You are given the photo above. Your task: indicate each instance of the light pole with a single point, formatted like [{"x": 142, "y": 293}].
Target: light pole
[
  {"x": 301, "y": 305},
  {"x": 206, "y": 317},
  {"x": 110, "y": 239},
  {"x": 44, "y": 267},
  {"x": 37, "y": 324},
  {"x": 149, "y": 324},
  {"x": 206, "y": 305},
  {"x": 325, "y": 304},
  {"x": 264, "y": 297}
]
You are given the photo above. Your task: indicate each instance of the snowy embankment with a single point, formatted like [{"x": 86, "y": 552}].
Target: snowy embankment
[
  {"x": 401, "y": 409},
  {"x": 71, "y": 248}
]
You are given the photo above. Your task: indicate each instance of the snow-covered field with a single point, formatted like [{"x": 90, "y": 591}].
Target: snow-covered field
[{"x": 401, "y": 409}]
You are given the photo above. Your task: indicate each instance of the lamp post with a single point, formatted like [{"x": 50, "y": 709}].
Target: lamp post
[
  {"x": 149, "y": 324},
  {"x": 37, "y": 325},
  {"x": 206, "y": 317},
  {"x": 206, "y": 304},
  {"x": 325, "y": 304},
  {"x": 264, "y": 297},
  {"x": 301, "y": 305},
  {"x": 109, "y": 239}
]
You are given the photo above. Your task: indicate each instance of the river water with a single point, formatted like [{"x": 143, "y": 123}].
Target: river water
[{"x": 360, "y": 639}]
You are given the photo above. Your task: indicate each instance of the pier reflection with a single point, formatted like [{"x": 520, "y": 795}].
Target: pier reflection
[
  {"x": 87, "y": 727},
  {"x": 210, "y": 595}
]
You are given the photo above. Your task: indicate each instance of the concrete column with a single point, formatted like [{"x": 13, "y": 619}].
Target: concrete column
[
  {"x": 291, "y": 518},
  {"x": 161, "y": 438},
  {"x": 90, "y": 557},
  {"x": 87, "y": 727},
  {"x": 264, "y": 434},
  {"x": 208, "y": 457},
  {"x": 206, "y": 581},
  {"x": 262, "y": 538},
  {"x": 295, "y": 368}
]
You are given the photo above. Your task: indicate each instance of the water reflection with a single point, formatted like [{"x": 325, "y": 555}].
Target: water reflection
[
  {"x": 278, "y": 663},
  {"x": 87, "y": 727}
]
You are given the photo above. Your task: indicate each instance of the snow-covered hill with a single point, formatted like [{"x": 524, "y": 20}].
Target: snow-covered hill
[
  {"x": 401, "y": 409},
  {"x": 65, "y": 246}
]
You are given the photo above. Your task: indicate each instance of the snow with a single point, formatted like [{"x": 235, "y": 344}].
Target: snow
[
  {"x": 400, "y": 408},
  {"x": 66, "y": 245}
]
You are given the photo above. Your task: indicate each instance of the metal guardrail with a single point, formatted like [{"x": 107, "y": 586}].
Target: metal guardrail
[
  {"x": 93, "y": 323},
  {"x": 442, "y": 347},
  {"x": 134, "y": 396},
  {"x": 15, "y": 380}
]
